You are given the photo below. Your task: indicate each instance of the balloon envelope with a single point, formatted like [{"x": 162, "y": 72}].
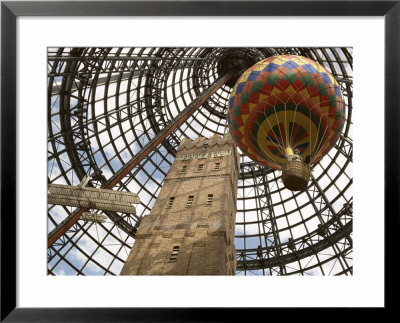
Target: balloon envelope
[{"x": 286, "y": 102}]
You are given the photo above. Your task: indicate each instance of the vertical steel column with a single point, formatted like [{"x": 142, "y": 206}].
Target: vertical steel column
[{"x": 172, "y": 126}]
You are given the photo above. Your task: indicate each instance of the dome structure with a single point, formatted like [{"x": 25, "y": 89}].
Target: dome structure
[{"x": 116, "y": 117}]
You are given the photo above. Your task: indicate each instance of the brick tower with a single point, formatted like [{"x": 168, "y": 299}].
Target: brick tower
[{"x": 190, "y": 230}]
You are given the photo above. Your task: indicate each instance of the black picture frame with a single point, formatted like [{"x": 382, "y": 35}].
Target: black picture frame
[{"x": 10, "y": 10}]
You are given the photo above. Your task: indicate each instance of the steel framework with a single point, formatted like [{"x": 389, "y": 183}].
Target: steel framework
[{"x": 118, "y": 115}]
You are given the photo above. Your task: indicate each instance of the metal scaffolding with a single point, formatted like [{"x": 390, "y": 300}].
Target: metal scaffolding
[{"x": 117, "y": 115}]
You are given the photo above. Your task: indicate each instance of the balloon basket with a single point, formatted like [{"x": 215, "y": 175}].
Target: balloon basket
[{"x": 295, "y": 175}]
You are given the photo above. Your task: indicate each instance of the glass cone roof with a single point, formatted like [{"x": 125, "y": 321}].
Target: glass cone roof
[{"x": 106, "y": 104}]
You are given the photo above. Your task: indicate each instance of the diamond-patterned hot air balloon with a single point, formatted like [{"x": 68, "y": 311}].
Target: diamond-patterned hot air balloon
[{"x": 286, "y": 112}]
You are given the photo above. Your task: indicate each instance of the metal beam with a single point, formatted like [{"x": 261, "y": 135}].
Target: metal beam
[
  {"x": 100, "y": 81},
  {"x": 153, "y": 143},
  {"x": 122, "y": 58},
  {"x": 343, "y": 232},
  {"x": 289, "y": 255},
  {"x": 327, "y": 202}
]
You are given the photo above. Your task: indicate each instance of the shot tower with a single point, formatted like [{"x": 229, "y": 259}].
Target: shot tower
[{"x": 190, "y": 230}]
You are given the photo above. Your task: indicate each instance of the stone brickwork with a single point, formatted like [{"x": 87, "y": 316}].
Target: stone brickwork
[{"x": 190, "y": 232}]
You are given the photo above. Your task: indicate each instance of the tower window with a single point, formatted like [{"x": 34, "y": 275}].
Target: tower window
[
  {"x": 184, "y": 169},
  {"x": 200, "y": 167},
  {"x": 174, "y": 253},
  {"x": 217, "y": 166},
  {"x": 209, "y": 199},
  {"x": 171, "y": 202},
  {"x": 190, "y": 201}
]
